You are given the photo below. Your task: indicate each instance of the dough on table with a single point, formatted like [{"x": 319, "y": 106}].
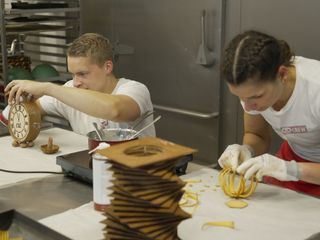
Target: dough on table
[{"x": 234, "y": 203}]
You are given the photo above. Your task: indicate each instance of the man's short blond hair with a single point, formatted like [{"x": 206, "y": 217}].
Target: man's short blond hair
[{"x": 95, "y": 46}]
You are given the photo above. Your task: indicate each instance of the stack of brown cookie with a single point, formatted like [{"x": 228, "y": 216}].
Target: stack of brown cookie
[{"x": 146, "y": 190}]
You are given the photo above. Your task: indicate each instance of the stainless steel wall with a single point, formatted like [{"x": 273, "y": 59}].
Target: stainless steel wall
[
  {"x": 159, "y": 41},
  {"x": 166, "y": 36}
]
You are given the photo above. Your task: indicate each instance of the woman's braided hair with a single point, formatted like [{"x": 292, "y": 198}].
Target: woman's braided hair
[{"x": 256, "y": 55}]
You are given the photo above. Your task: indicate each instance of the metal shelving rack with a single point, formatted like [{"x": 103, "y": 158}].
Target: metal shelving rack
[{"x": 43, "y": 34}]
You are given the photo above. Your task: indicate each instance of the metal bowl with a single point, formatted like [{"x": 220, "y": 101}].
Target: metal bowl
[{"x": 111, "y": 136}]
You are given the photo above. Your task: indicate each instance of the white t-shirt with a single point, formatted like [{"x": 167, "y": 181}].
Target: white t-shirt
[
  {"x": 298, "y": 121},
  {"x": 82, "y": 123}
]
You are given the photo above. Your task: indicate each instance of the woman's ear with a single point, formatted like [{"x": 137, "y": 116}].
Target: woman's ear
[
  {"x": 283, "y": 73},
  {"x": 108, "y": 66}
]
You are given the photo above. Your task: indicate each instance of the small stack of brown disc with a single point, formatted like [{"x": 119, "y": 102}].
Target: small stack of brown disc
[
  {"x": 146, "y": 190},
  {"x": 49, "y": 148}
]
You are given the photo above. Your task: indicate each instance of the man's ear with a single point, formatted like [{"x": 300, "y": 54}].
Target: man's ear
[
  {"x": 283, "y": 73},
  {"x": 108, "y": 66}
]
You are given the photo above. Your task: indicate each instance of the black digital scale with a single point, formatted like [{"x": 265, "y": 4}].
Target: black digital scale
[{"x": 79, "y": 165}]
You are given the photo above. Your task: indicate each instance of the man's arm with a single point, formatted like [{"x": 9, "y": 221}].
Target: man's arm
[
  {"x": 257, "y": 133},
  {"x": 118, "y": 108}
]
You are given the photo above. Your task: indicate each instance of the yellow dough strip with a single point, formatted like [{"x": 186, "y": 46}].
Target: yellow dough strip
[
  {"x": 227, "y": 182},
  {"x": 228, "y": 224}
]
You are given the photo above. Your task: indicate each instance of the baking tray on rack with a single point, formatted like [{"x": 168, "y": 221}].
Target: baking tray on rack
[
  {"x": 18, "y": 226},
  {"x": 26, "y": 5},
  {"x": 23, "y": 27}
]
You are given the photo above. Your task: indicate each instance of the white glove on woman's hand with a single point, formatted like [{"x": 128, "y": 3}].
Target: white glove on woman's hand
[
  {"x": 269, "y": 165},
  {"x": 234, "y": 155}
]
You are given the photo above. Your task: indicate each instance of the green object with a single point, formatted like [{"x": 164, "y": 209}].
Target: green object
[
  {"x": 19, "y": 73},
  {"x": 44, "y": 71}
]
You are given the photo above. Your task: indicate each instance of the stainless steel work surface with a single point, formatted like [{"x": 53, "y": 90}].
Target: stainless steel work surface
[
  {"x": 272, "y": 213},
  {"x": 45, "y": 197},
  {"x": 3, "y": 130},
  {"x": 40, "y": 195}
]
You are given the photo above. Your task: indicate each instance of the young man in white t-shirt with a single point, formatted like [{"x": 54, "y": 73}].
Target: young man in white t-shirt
[
  {"x": 93, "y": 95},
  {"x": 281, "y": 92}
]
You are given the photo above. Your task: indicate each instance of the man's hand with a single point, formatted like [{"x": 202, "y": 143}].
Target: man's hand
[
  {"x": 269, "y": 165},
  {"x": 24, "y": 88},
  {"x": 235, "y": 154}
]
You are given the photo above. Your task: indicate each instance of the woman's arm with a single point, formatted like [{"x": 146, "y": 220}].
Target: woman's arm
[
  {"x": 309, "y": 172},
  {"x": 257, "y": 133}
]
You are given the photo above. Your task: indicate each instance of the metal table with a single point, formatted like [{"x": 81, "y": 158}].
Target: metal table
[
  {"x": 45, "y": 197},
  {"x": 42, "y": 197}
]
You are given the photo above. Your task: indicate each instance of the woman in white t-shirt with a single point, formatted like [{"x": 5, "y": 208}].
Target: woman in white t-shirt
[
  {"x": 281, "y": 92},
  {"x": 94, "y": 94}
]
